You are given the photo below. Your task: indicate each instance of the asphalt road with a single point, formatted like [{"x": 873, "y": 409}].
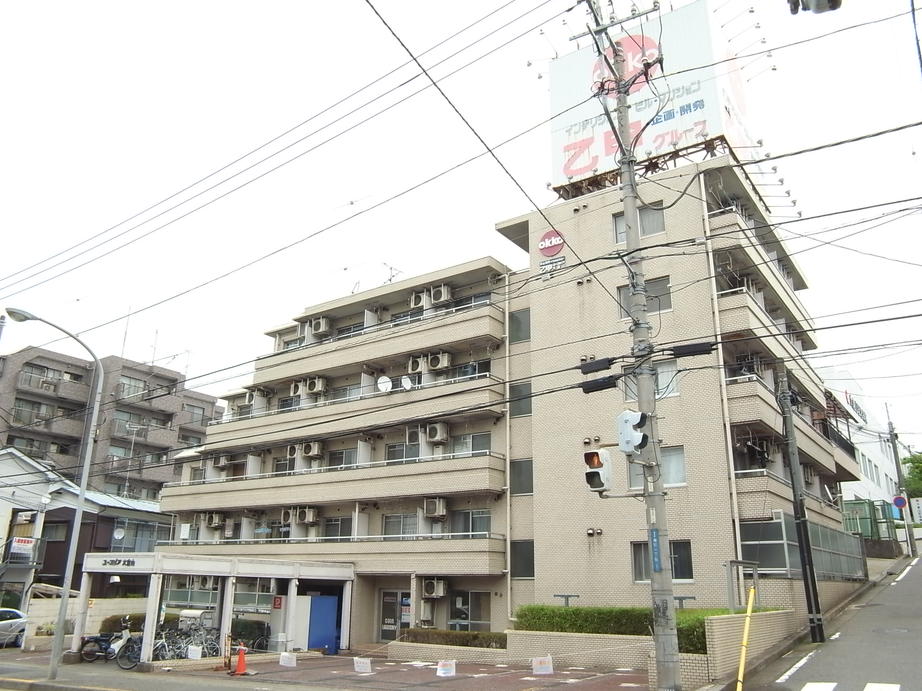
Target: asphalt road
[{"x": 876, "y": 645}]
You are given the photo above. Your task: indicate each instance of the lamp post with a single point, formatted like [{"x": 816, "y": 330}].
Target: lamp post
[{"x": 89, "y": 438}]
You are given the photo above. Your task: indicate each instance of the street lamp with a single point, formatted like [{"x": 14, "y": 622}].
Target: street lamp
[{"x": 89, "y": 438}]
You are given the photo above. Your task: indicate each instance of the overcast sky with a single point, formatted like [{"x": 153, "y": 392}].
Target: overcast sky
[{"x": 112, "y": 107}]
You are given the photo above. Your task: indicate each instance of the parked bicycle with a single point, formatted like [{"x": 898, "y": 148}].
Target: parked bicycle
[
  {"x": 129, "y": 654},
  {"x": 105, "y": 645}
]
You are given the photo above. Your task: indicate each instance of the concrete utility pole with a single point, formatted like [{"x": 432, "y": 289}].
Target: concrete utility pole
[
  {"x": 666, "y": 641},
  {"x": 901, "y": 487},
  {"x": 815, "y": 615}
]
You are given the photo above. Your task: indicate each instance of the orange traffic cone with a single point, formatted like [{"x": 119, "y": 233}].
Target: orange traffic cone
[{"x": 241, "y": 668}]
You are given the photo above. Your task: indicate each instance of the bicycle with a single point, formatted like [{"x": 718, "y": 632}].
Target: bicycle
[{"x": 129, "y": 654}]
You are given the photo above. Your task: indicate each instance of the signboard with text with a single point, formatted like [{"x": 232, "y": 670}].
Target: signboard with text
[{"x": 699, "y": 104}]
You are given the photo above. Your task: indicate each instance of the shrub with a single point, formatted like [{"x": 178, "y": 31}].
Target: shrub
[
  {"x": 248, "y": 629},
  {"x": 470, "y": 639},
  {"x": 626, "y": 621},
  {"x": 113, "y": 623}
]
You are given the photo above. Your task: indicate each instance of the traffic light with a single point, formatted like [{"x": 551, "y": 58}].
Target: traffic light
[
  {"x": 630, "y": 438},
  {"x": 598, "y": 470}
]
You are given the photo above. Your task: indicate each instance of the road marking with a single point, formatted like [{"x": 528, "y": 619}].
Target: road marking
[
  {"x": 914, "y": 561},
  {"x": 900, "y": 577},
  {"x": 835, "y": 635},
  {"x": 819, "y": 686},
  {"x": 796, "y": 666},
  {"x": 873, "y": 686}
]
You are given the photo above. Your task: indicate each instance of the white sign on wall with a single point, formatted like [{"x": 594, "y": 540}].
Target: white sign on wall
[{"x": 699, "y": 104}]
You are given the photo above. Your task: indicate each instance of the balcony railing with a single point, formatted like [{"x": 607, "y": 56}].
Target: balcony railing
[
  {"x": 24, "y": 553},
  {"x": 337, "y": 468},
  {"x": 398, "y": 320},
  {"x": 479, "y": 535},
  {"x": 346, "y": 399}
]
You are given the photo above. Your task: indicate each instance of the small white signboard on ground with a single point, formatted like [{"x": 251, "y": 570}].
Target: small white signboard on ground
[
  {"x": 194, "y": 652},
  {"x": 542, "y": 665},
  {"x": 445, "y": 668},
  {"x": 362, "y": 665},
  {"x": 288, "y": 660}
]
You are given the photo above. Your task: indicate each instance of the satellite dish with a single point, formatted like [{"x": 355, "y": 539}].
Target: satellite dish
[
  {"x": 118, "y": 533},
  {"x": 385, "y": 384},
  {"x": 406, "y": 382}
]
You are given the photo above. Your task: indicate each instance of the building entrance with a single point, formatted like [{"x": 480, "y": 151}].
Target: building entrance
[{"x": 395, "y": 613}]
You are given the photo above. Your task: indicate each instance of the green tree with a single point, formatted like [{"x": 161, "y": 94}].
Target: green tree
[{"x": 913, "y": 471}]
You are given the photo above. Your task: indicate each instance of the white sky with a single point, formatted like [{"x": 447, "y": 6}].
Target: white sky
[{"x": 110, "y": 107}]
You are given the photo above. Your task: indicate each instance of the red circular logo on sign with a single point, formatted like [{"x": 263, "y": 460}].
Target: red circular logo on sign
[
  {"x": 550, "y": 243},
  {"x": 636, "y": 50}
]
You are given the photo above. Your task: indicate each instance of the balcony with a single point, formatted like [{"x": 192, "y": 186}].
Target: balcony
[
  {"x": 471, "y": 326},
  {"x": 160, "y": 398},
  {"x": 459, "y": 398},
  {"x": 433, "y": 476},
  {"x": 53, "y": 386},
  {"x": 152, "y": 435},
  {"x": 741, "y": 311},
  {"x": 23, "y": 553},
  {"x": 760, "y": 492},
  {"x": 444, "y": 554}
]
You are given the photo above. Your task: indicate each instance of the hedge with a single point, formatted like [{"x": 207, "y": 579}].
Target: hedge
[
  {"x": 470, "y": 639},
  {"x": 113, "y": 623},
  {"x": 628, "y": 621}
]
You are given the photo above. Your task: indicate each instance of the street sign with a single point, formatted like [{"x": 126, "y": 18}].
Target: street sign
[{"x": 899, "y": 502}]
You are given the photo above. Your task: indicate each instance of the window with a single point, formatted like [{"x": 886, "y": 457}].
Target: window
[
  {"x": 681, "y": 560},
  {"x": 471, "y": 301},
  {"x": 342, "y": 458},
  {"x": 401, "y": 452},
  {"x": 196, "y": 474},
  {"x": 130, "y": 386},
  {"x": 190, "y": 440},
  {"x": 520, "y": 326},
  {"x": 59, "y": 447},
  {"x": 283, "y": 465},
  {"x": 520, "y": 399},
  {"x": 522, "y": 558},
  {"x": 472, "y": 523},
  {"x": 468, "y": 610},
  {"x": 470, "y": 369},
  {"x": 350, "y": 330},
  {"x": 667, "y": 381},
  {"x": 291, "y": 343},
  {"x": 658, "y": 296},
  {"x": 345, "y": 392},
  {"x": 476, "y": 444},
  {"x": 289, "y": 402},
  {"x": 338, "y": 527},
  {"x": 195, "y": 414},
  {"x": 399, "y": 524},
  {"x": 73, "y": 376},
  {"x": 672, "y": 466},
  {"x": 652, "y": 222},
  {"x": 54, "y": 532},
  {"x": 521, "y": 481}
]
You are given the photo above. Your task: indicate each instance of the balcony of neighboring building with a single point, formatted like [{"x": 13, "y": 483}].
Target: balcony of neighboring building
[
  {"x": 317, "y": 406},
  {"x": 152, "y": 431},
  {"x": 54, "y": 383},
  {"x": 148, "y": 395},
  {"x": 61, "y": 453},
  {"x": 49, "y": 419},
  {"x": 435, "y": 534},
  {"x": 325, "y": 343}
]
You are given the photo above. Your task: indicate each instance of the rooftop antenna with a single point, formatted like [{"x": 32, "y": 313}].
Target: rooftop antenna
[{"x": 393, "y": 272}]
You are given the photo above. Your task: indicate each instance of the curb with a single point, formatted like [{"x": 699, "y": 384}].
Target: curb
[{"x": 16, "y": 684}]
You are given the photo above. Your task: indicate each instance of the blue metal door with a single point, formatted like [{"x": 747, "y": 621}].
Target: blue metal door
[{"x": 323, "y": 633}]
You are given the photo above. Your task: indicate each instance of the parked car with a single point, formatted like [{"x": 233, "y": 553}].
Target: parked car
[{"x": 12, "y": 626}]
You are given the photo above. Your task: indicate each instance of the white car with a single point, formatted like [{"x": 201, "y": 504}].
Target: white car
[{"x": 12, "y": 626}]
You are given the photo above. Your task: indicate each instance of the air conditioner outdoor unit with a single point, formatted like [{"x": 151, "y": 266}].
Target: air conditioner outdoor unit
[
  {"x": 292, "y": 451},
  {"x": 440, "y": 360},
  {"x": 251, "y": 397},
  {"x": 316, "y": 385},
  {"x": 418, "y": 299},
  {"x": 287, "y": 515},
  {"x": 433, "y": 587},
  {"x": 297, "y": 388},
  {"x": 215, "y": 520},
  {"x": 415, "y": 365},
  {"x": 434, "y": 507},
  {"x": 440, "y": 294},
  {"x": 307, "y": 515},
  {"x": 437, "y": 432},
  {"x": 321, "y": 326},
  {"x": 313, "y": 449},
  {"x": 220, "y": 462},
  {"x": 413, "y": 435}
]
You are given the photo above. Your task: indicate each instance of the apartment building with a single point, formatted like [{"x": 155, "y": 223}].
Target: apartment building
[
  {"x": 428, "y": 431},
  {"x": 144, "y": 413}
]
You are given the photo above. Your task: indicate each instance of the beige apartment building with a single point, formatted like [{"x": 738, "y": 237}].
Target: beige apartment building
[{"x": 428, "y": 431}]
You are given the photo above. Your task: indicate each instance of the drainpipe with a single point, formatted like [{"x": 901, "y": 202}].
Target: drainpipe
[
  {"x": 508, "y": 453},
  {"x": 721, "y": 371}
]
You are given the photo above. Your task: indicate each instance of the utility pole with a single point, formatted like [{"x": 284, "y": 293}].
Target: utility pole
[
  {"x": 901, "y": 487},
  {"x": 815, "y": 615},
  {"x": 665, "y": 636}
]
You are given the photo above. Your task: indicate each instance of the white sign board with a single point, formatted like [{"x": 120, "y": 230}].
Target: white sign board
[
  {"x": 22, "y": 545},
  {"x": 445, "y": 668},
  {"x": 362, "y": 665},
  {"x": 699, "y": 106},
  {"x": 542, "y": 665}
]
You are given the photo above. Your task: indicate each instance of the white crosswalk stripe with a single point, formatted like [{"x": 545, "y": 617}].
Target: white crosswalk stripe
[{"x": 831, "y": 685}]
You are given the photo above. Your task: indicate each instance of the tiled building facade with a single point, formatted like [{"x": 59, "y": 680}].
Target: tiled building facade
[
  {"x": 144, "y": 413},
  {"x": 427, "y": 431}
]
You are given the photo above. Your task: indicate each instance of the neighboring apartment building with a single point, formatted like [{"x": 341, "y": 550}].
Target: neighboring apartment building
[
  {"x": 416, "y": 430},
  {"x": 144, "y": 413}
]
